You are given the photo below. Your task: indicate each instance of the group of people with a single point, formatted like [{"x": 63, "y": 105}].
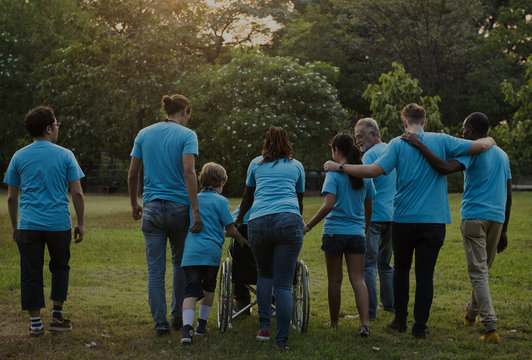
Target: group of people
[{"x": 403, "y": 211}]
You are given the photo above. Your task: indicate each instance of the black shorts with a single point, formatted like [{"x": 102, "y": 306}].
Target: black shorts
[
  {"x": 339, "y": 244},
  {"x": 200, "y": 278}
]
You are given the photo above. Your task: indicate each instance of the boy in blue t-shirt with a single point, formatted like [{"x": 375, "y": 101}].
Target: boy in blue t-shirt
[{"x": 203, "y": 250}]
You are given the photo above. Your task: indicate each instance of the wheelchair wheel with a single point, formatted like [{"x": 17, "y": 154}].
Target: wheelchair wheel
[
  {"x": 224, "y": 296},
  {"x": 301, "y": 298}
]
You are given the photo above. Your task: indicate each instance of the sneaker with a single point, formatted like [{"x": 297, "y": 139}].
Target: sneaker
[
  {"x": 364, "y": 331},
  {"x": 469, "y": 322},
  {"x": 263, "y": 334},
  {"x": 177, "y": 323},
  {"x": 201, "y": 328},
  {"x": 397, "y": 325},
  {"x": 36, "y": 332},
  {"x": 491, "y": 338},
  {"x": 186, "y": 334},
  {"x": 162, "y": 331},
  {"x": 60, "y": 325}
]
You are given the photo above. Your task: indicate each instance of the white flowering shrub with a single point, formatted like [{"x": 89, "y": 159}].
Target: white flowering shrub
[{"x": 235, "y": 104}]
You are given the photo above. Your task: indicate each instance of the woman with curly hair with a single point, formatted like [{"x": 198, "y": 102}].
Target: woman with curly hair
[{"x": 275, "y": 184}]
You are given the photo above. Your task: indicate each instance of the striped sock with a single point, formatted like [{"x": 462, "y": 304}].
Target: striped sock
[
  {"x": 57, "y": 312},
  {"x": 36, "y": 323}
]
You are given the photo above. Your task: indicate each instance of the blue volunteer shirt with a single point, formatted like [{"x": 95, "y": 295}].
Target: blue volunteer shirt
[
  {"x": 276, "y": 186},
  {"x": 384, "y": 186},
  {"x": 347, "y": 215},
  {"x": 421, "y": 195},
  {"x": 205, "y": 247},
  {"x": 161, "y": 147},
  {"x": 43, "y": 170},
  {"x": 485, "y": 178}
]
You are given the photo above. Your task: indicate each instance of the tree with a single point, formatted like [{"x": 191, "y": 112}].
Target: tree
[
  {"x": 395, "y": 90},
  {"x": 235, "y": 104}
]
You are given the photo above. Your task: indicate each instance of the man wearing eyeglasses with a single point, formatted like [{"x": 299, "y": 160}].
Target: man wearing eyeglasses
[{"x": 42, "y": 172}]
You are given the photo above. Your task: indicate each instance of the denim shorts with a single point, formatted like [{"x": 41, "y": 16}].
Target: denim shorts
[
  {"x": 336, "y": 244},
  {"x": 199, "y": 279}
]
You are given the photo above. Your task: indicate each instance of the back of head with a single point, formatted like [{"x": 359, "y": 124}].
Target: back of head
[
  {"x": 38, "y": 119},
  {"x": 346, "y": 146},
  {"x": 414, "y": 114},
  {"x": 174, "y": 104},
  {"x": 370, "y": 125},
  {"x": 479, "y": 123},
  {"x": 277, "y": 145},
  {"x": 212, "y": 175}
]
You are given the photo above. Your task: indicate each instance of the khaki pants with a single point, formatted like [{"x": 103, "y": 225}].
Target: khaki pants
[{"x": 480, "y": 238}]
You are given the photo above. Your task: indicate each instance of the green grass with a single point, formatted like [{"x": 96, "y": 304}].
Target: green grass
[{"x": 108, "y": 301}]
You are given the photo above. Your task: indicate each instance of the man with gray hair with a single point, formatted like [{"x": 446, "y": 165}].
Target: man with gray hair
[{"x": 378, "y": 236}]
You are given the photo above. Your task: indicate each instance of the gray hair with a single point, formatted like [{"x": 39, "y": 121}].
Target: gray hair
[{"x": 370, "y": 125}]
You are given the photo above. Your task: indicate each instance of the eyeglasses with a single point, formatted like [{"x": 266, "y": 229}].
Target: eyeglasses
[{"x": 58, "y": 124}]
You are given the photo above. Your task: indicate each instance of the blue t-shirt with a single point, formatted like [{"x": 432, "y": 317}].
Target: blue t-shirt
[
  {"x": 347, "y": 215},
  {"x": 485, "y": 178},
  {"x": 161, "y": 147},
  {"x": 43, "y": 170},
  {"x": 421, "y": 195},
  {"x": 384, "y": 186},
  {"x": 205, "y": 247},
  {"x": 276, "y": 186}
]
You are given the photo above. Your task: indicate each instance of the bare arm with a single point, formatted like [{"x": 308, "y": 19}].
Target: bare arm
[
  {"x": 481, "y": 145},
  {"x": 363, "y": 171},
  {"x": 368, "y": 210},
  {"x": 245, "y": 205},
  {"x": 192, "y": 189},
  {"x": 503, "y": 241},
  {"x": 12, "y": 207},
  {"x": 232, "y": 231},
  {"x": 437, "y": 163},
  {"x": 300, "y": 202},
  {"x": 133, "y": 187},
  {"x": 324, "y": 210},
  {"x": 79, "y": 206}
]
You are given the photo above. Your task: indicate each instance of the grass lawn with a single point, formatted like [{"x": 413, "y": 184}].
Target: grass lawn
[{"x": 109, "y": 310}]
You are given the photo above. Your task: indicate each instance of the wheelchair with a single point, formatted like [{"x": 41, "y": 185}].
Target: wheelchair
[{"x": 248, "y": 276}]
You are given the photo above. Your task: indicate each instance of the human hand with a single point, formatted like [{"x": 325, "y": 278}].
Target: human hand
[
  {"x": 306, "y": 229},
  {"x": 197, "y": 224},
  {"x": 136, "y": 211},
  {"x": 503, "y": 242},
  {"x": 243, "y": 242},
  {"x": 79, "y": 232},
  {"x": 412, "y": 139},
  {"x": 331, "y": 166}
]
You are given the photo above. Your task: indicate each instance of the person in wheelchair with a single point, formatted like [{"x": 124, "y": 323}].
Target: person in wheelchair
[
  {"x": 275, "y": 184},
  {"x": 203, "y": 250},
  {"x": 347, "y": 210}
]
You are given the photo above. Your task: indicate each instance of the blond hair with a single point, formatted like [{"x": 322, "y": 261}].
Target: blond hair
[{"x": 212, "y": 175}]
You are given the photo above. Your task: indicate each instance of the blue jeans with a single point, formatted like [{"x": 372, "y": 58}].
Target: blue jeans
[
  {"x": 31, "y": 247},
  {"x": 162, "y": 219},
  {"x": 276, "y": 240},
  {"x": 379, "y": 256},
  {"x": 426, "y": 240}
]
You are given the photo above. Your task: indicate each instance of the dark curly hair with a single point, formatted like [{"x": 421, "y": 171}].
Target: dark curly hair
[{"x": 276, "y": 146}]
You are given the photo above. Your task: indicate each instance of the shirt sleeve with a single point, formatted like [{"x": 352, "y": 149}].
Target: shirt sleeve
[
  {"x": 74, "y": 172},
  {"x": 191, "y": 144},
  {"x": 12, "y": 176},
  {"x": 137, "y": 147},
  {"x": 456, "y": 147},
  {"x": 465, "y": 160},
  {"x": 388, "y": 159},
  {"x": 300, "y": 185},
  {"x": 250, "y": 176},
  {"x": 330, "y": 184},
  {"x": 225, "y": 212}
]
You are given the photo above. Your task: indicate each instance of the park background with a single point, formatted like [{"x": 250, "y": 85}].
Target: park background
[{"x": 311, "y": 66}]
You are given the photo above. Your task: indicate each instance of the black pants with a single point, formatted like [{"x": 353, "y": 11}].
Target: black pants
[
  {"x": 31, "y": 247},
  {"x": 425, "y": 240}
]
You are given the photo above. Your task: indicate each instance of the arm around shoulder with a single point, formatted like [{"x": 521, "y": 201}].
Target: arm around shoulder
[{"x": 481, "y": 145}]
